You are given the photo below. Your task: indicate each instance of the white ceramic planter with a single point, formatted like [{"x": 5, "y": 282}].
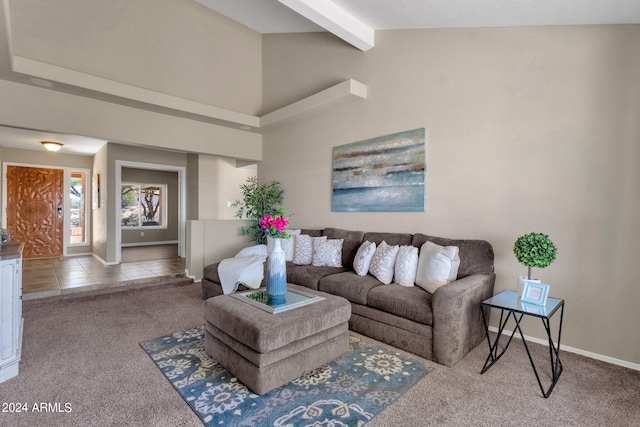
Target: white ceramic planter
[{"x": 277, "y": 274}]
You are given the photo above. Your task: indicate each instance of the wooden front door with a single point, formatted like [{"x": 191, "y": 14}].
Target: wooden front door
[{"x": 34, "y": 209}]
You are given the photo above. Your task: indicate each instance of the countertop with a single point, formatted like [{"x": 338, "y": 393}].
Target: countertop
[{"x": 11, "y": 250}]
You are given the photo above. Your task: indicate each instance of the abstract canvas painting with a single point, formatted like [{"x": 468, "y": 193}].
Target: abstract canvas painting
[{"x": 383, "y": 174}]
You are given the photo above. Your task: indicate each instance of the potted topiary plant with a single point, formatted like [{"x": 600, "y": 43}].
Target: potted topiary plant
[
  {"x": 534, "y": 250},
  {"x": 258, "y": 201}
]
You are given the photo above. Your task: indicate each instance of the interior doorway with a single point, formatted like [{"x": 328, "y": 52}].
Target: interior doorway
[
  {"x": 181, "y": 201},
  {"x": 35, "y": 196}
]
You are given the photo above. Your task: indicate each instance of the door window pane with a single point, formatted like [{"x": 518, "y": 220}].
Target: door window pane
[{"x": 77, "y": 226}]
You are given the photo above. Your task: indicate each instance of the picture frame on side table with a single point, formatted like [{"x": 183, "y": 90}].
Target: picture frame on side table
[{"x": 535, "y": 293}]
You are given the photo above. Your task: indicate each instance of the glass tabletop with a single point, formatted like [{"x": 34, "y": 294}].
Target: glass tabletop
[
  {"x": 510, "y": 300},
  {"x": 293, "y": 299}
]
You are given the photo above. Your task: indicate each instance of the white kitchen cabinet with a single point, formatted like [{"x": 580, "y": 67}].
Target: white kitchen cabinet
[{"x": 10, "y": 309}]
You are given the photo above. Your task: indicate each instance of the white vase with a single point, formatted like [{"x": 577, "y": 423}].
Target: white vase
[
  {"x": 522, "y": 280},
  {"x": 277, "y": 274}
]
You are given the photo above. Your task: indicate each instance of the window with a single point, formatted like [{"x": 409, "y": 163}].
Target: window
[
  {"x": 77, "y": 218},
  {"x": 143, "y": 205}
]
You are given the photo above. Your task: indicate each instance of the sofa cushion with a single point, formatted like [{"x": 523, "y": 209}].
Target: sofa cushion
[
  {"x": 363, "y": 257},
  {"x": 327, "y": 253},
  {"x": 352, "y": 241},
  {"x": 378, "y": 316},
  {"x": 210, "y": 272},
  {"x": 412, "y": 303},
  {"x": 392, "y": 239},
  {"x": 437, "y": 266},
  {"x": 383, "y": 262},
  {"x": 406, "y": 266},
  {"x": 349, "y": 285},
  {"x": 476, "y": 256},
  {"x": 309, "y": 275}
]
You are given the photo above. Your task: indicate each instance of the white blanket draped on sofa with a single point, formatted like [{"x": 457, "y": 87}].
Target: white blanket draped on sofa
[{"x": 246, "y": 268}]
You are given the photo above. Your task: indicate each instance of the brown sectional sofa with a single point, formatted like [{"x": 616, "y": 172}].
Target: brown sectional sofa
[{"x": 443, "y": 326}]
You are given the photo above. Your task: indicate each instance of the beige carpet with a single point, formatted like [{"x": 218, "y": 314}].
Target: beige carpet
[{"x": 84, "y": 352}]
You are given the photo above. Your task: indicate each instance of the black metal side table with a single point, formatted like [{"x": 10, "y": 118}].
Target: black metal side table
[{"x": 508, "y": 302}]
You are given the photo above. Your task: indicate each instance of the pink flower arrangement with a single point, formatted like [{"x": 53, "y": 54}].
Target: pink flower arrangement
[{"x": 275, "y": 226}]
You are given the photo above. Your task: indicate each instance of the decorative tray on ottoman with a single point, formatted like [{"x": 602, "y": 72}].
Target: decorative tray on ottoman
[{"x": 294, "y": 299}]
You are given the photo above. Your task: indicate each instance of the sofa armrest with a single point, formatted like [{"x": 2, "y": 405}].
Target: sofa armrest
[{"x": 457, "y": 320}]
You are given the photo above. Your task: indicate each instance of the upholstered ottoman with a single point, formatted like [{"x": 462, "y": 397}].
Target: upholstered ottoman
[{"x": 266, "y": 350}]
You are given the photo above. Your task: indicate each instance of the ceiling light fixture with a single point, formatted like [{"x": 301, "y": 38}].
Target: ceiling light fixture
[{"x": 51, "y": 146}]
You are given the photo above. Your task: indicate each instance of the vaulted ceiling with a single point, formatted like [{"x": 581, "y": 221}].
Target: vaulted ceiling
[{"x": 355, "y": 21}]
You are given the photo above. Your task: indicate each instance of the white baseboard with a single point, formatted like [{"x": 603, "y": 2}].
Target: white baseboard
[
  {"x": 608, "y": 359},
  {"x": 103, "y": 261}
]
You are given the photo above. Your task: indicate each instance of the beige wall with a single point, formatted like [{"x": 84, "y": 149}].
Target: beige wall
[
  {"x": 212, "y": 183},
  {"x": 529, "y": 129},
  {"x": 175, "y": 47},
  {"x": 219, "y": 185}
]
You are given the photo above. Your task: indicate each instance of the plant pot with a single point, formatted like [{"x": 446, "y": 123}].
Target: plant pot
[
  {"x": 277, "y": 274},
  {"x": 522, "y": 280}
]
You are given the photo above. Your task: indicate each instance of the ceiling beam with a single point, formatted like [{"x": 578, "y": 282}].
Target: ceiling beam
[
  {"x": 348, "y": 90},
  {"x": 335, "y": 20},
  {"x": 67, "y": 76}
]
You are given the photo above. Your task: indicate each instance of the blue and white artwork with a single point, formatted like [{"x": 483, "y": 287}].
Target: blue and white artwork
[{"x": 384, "y": 174}]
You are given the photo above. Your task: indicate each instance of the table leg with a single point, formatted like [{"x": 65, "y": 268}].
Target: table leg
[
  {"x": 494, "y": 356},
  {"x": 556, "y": 365},
  {"x": 554, "y": 350}
]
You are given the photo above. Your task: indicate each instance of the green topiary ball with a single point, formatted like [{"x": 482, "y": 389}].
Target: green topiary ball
[{"x": 535, "y": 250}]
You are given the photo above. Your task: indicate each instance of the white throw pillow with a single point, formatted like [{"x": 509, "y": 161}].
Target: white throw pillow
[
  {"x": 327, "y": 253},
  {"x": 363, "y": 257},
  {"x": 303, "y": 248},
  {"x": 287, "y": 245},
  {"x": 406, "y": 266},
  {"x": 288, "y": 251},
  {"x": 437, "y": 266},
  {"x": 383, "y": 262}
]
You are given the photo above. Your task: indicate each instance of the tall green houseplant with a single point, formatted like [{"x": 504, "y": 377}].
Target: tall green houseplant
[
  {"x": 535, "y": 250},
  {"x": 257, "y": 201}
]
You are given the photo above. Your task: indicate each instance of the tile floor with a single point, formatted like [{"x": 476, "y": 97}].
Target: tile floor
[{"x": 47, "y": 277}]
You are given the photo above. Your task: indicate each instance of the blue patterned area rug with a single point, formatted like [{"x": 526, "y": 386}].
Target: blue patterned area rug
[{"x": 349, "y": 391}]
